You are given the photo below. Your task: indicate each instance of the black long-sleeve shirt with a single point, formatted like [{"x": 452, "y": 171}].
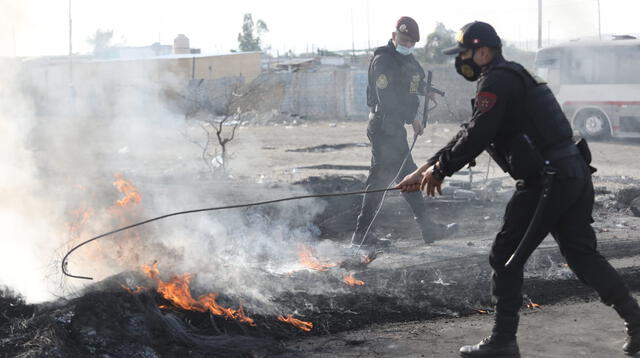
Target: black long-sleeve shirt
[{"x": 497, "y": 108}]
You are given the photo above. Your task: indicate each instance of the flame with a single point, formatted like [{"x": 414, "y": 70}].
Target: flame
[
  {"x": 532, "y": 305},
  {"x": 483, "y": 311},
  {"x": 80, "y": 218},
  {"x": 130, "y": 249},
  {"x": 131, "y": 195},
  {"x": 138, "y": 289},
  {"x": 151, "y": 271},
  {"x": 178, "y": 292},
  {"x": 352, "y": 281},
  {"x": 305, "y": 254},
  {"x": 305, "y": 326}
]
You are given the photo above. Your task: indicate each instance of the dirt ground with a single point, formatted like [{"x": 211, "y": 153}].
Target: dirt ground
[{"x": 574, "y": 327}]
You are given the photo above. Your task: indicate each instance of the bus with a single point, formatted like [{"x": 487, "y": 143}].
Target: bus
[{"x": 597, "y": 83}]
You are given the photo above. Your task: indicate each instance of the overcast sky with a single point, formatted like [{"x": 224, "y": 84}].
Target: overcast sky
[{"x": 40, "y": 27}]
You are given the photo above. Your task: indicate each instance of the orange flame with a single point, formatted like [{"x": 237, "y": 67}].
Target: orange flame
[
  {"x": 151, "y": 271},
  {"x": 178, "y": 292},
  {"x": 305, "y": 326},
  {"x": 533, "y": 305},
  {"x": 138, "y": 289},
  {"x": 352, "y": 281},
  {"x": 305, "y": 254},
  {"x": 130, "y": 192},
  {"x": 80, "y": 218},
  {"x": 483, "y": 311}
]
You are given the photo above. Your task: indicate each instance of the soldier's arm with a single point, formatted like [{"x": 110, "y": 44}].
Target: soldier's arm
[
  {"x": 488, "y": 113},
  {"x": 393, "y": 99},
  {"x": 448, "y": 146}
]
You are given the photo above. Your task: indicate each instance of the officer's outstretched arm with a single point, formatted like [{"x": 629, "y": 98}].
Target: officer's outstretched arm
[{"x": 494, "y": 93}]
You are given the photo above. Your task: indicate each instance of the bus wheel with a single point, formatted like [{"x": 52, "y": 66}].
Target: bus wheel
[{"x": 593, "y": 124}]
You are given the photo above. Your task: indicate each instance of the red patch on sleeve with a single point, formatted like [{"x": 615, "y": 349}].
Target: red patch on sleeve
[{"x": 485, "y": 101}]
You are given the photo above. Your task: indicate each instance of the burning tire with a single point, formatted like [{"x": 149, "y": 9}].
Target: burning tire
[{"x": 593, "y": 124}]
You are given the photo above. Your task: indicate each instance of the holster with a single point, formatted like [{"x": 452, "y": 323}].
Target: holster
[
  {"x": 381, "y": 123},
  {"x": 585, "y": 152}
]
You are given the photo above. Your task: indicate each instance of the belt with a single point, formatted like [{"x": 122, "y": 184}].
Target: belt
[{"x": 560, "y": 153}]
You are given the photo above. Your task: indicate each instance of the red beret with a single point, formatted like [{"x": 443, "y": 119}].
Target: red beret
[{"x": 408, "y": 26}]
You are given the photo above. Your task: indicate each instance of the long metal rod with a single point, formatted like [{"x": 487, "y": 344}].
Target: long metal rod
[{"x": 66, "y": 257}]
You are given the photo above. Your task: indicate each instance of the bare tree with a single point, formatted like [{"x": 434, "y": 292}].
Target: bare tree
[
  {"x": 101, "y": 41},
  {"x": 218, "y": 125}
]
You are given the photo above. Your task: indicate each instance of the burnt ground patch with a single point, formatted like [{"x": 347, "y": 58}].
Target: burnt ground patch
[
  {"x": 106, "y": 320},
  {"x": 329, "y": 147}
]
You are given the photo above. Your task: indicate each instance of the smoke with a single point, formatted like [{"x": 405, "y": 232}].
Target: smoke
[
  {"x": 24, "y": 219},
  {"x": 70, "y": 130}
]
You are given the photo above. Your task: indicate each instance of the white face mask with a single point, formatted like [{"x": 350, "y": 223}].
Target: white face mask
[{"x": 404, "y": 50}]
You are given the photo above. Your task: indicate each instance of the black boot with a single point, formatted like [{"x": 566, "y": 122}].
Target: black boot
[
  {"x": 501, "y": 344},
  {"x": 432, "y": 231},
  {"x": 630, "y": 313}
]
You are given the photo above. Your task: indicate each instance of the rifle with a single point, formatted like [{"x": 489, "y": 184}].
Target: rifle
[{"x": 428, "y": 90}]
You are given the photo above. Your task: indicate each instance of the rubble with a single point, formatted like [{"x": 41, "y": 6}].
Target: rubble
[
  {"x": 108, "y": 320},
  {"x": 329, "y": 147}
]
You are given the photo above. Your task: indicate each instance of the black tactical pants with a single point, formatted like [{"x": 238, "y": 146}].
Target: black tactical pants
[
  {"x": 388, "y": 149},
  {"x": 568, "y": 218}
]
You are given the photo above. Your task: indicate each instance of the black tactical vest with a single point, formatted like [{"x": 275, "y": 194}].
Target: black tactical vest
[
  {"x": 410, "y": 72},
  {"x": 543, "y": 130},
  {"x": 545, "y": 124}
]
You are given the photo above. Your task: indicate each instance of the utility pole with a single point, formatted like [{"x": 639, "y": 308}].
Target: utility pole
[
  {"x": 539, "y": 23},
  {"x": 353, "y": 44},
  {"x": 368, "y": 33},
  {"x": 71, "y": 89},
  {"x": 599, "y": 28},
  {"x": 548, "y": 33}
]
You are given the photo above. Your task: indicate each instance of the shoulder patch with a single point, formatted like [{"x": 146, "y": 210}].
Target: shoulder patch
[
  {"x": 382, "y": 82},
  {"x": 485, "y": 101}
]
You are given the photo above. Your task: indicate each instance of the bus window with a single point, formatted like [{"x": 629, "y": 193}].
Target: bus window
[
  {"x": 548, "y": 66},
  {"x": 628, "y": 65},
  {"x": 596, "y": 65}
]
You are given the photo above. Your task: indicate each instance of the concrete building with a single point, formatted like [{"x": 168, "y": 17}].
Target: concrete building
[{"x": 101, "y": 86}]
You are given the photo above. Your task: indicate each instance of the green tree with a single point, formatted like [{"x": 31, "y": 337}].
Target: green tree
[
  {"x": 438, "y": 40},
  {"x": 249, "y": 38},
  {"x": 101, "y": 41}
]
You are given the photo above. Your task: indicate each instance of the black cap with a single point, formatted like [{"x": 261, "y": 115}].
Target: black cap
[
  {"x": 474, "y": 35},
  {"x": 409, "y": 27}
]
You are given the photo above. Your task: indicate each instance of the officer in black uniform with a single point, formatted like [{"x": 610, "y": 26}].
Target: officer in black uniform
[
  {"x": 395, "y": 81},
  {"x": 517, "y": 119}
]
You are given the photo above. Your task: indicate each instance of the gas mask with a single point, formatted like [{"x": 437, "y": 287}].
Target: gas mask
[
  {"x": 468, "y": 68},
  {"x": 404, "y": 50}
]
